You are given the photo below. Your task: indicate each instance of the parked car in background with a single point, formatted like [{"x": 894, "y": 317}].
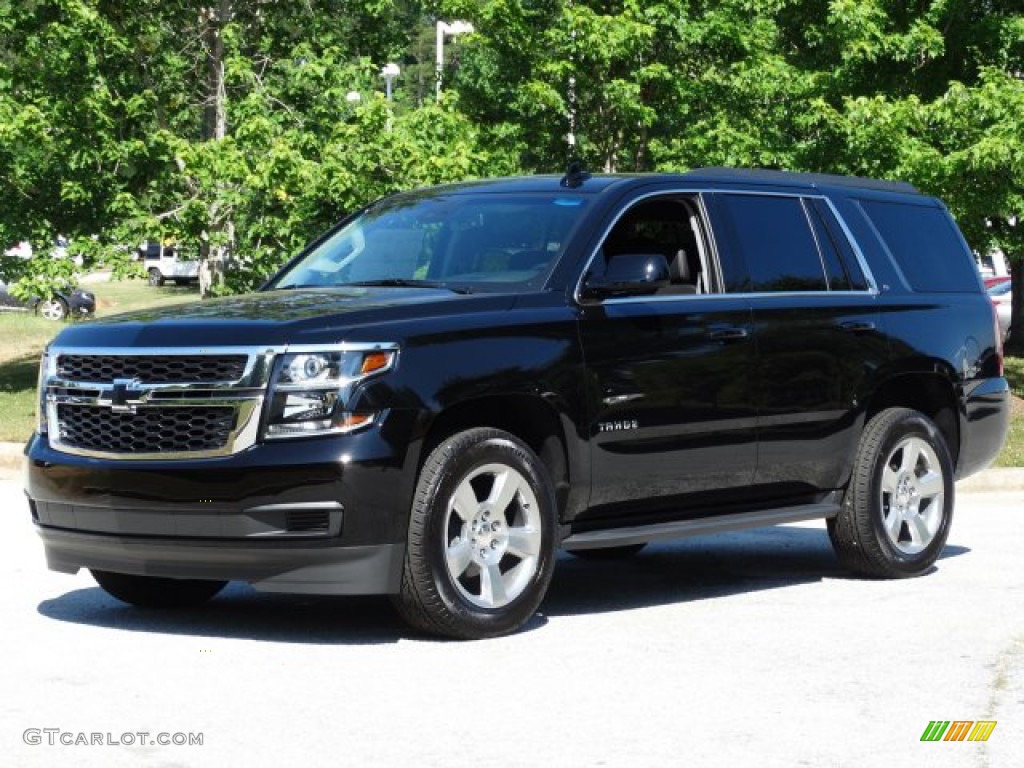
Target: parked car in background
[
  {"x": 1001, "y": 294},
  {"x": 162, "y": 263},
  {"x": 64, "y": 303},
  {"x": 995, "y": 280}
]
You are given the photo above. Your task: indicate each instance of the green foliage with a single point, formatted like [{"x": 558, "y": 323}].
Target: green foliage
[
  {"x": 109, "y": 131},
  {"x": 39, "y": 277}
]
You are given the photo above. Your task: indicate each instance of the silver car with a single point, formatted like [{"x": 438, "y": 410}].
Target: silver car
[{"x": 1002, "y": 296}]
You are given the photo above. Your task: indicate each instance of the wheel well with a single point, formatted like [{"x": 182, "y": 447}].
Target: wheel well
[
  {"x": 928, "y": 393},
  {"x": 527, "y": 417}
]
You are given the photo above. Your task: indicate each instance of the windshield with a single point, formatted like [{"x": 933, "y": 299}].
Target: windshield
[{"x": 474, "y": 242}]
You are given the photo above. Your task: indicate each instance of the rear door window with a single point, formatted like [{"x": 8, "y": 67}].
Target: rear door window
[{"x": 772, "y": 242}]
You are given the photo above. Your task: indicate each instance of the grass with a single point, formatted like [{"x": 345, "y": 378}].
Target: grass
[
  {"x": 23, "y": 336},
  {"x": 1013, "y": 451}
]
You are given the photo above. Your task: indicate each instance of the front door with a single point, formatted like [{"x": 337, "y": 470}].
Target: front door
[{"x": 670, "y": 387}]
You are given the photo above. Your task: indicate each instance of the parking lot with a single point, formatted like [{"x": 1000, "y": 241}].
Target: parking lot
[{"x": 732, "y": 650}]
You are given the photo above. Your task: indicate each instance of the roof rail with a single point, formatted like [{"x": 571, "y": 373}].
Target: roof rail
[{"x": 812, "y": 179}]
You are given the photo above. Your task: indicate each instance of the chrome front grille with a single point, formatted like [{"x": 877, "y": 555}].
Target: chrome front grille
[
  {"x": 176, "y": 429},
  {"x": 155, "y": 403},
  {"x": 161, "y": 369}
]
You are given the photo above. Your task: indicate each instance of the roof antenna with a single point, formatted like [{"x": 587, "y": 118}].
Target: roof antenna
[{"x": 575, "y": 174}]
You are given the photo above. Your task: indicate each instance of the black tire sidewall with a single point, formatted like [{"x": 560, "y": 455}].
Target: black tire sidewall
[
  {"x": 913, "y": 425},
  {"x": 492, "y": 450}
]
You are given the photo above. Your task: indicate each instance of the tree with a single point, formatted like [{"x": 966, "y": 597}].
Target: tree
[{"x": 227, "y": 127}]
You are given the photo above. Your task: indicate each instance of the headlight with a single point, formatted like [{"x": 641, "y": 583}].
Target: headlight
[
  {"x": 311, "y": 389},
  {"x": 44, "y": 362}
]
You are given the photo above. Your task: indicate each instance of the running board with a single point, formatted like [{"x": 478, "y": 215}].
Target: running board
[{"x": 640, "y": 534}]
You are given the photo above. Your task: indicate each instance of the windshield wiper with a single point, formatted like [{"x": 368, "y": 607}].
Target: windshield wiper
[{"x": 401, "y": 282}]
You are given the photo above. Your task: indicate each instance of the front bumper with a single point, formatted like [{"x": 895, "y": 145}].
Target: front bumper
[
  {"x": 325, "y": 515},
  {"x": 272, "y": 567}
]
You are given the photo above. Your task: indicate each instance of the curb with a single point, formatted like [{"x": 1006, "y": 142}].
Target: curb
[{"x": 994, "y": 479}]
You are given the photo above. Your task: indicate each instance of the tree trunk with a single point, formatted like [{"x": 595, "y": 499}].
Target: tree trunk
[{"x": 215, "y": 126}]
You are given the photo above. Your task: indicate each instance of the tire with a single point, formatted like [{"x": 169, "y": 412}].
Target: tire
[
  {"x": 155, "y": 278},
  {"x": 898, "y": 508},
  {"x": 54, "y": 308},
  {"x": 154, "y": 592},
  {"x": 607, "y": 553},
  {"x": 481, "y": 545}
]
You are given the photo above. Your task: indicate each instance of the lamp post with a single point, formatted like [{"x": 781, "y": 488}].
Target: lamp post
[
  {"x": 389, "y": 72},
  {"x": 452, "y": 30}
]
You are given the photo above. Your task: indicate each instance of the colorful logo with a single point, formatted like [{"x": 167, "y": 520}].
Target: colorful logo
[{"x": 958, "y": 730}]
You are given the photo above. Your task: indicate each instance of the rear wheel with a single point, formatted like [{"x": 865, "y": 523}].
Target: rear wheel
[
  {"x": 898, "y": 508},
  {"x": 155, "y": 592},
  {"x": 155, "y": 278},
  {"x": 480, "y": 550},
  {"x": 53, "y": 308}
]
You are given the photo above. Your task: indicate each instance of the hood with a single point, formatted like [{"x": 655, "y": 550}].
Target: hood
[{"x": 303, "y": 316}]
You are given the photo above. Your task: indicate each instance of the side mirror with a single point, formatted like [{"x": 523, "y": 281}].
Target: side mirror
[{"x": 629, "y": 274}]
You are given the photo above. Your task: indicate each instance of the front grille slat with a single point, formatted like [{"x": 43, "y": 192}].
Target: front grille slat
[
  {"x": 163, "y": 369},
  {"x": 168, "y": 429}
]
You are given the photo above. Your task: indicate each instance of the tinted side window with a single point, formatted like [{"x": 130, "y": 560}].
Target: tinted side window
[
  {"x": 838, "y": 280},
  {"x": 924, "y": 244},
  {"x": 822, "y": 216},
  {"x": 772, "y": 237}
]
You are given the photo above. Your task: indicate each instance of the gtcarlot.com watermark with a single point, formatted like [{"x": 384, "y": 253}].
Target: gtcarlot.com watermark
[{"x": 58, "y": 737}]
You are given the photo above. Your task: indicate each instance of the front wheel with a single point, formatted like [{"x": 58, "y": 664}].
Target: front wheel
[
  {"x": 898, "y": 507},
  {"x": 155, "y": 278},
  {"x": 155, "y": 592},
  {"x": 481, "y": 544}
]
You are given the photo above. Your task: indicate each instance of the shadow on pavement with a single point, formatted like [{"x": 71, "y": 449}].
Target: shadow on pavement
[
  {"x": 698, "y": 569},
  {"x": 242, "y": 612},
  {"x": 662, "y": 574}
]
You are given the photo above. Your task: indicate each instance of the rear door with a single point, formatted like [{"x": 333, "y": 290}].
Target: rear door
[{"x": 817, "y": 332}]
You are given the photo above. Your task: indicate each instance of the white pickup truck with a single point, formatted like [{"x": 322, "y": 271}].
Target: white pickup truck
[{"x": 162, "y": 264}]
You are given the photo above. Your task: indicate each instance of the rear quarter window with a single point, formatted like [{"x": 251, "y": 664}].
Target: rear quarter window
[{"x": 925, "y": 245}]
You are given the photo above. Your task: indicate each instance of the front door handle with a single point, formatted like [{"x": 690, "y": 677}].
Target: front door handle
[
  {"x": 857, "y": 326},
  {"x": 729, "y": 334}
]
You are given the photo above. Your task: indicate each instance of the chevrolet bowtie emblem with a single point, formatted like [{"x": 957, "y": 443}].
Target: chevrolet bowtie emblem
[{"x": 125, "y": 395}]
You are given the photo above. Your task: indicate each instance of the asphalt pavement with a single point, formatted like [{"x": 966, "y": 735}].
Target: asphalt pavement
[{"x": 731, "y": 650}]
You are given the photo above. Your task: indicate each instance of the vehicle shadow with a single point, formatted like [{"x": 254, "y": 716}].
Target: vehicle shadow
[
  {"x": 242, "y": 612},
  {"x": 663, "y": 574},
  {"x": 699, "y": 568}
]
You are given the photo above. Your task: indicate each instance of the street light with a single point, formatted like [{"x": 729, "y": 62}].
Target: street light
[
  {"x": 452, "y": 30},
  {"x": 389, "y": 72}
]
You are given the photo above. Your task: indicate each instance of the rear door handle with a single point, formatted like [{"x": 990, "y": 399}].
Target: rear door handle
[
  {"x": 729, "y": 334},
  {"x": 857, "y": 326}
]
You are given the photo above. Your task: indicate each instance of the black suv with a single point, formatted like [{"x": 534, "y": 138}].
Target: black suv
[{"x": 454, "y": 383}]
